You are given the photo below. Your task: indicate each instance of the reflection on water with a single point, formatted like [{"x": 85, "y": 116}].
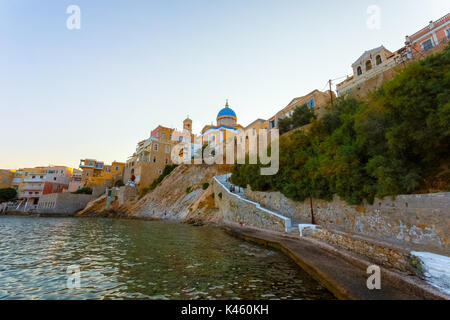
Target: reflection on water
[{"x": 127, "y": 259}]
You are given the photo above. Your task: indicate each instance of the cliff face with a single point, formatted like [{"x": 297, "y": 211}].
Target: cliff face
[{"x": 180, "y": 197}]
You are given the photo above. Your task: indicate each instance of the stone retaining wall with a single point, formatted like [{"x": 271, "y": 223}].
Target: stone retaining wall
[
  {"x": 236, "y": 209},
  {"x": 380, "y": 253},
  {"x": 422, "y": 219},
  {"x": 62, "y": 203}
]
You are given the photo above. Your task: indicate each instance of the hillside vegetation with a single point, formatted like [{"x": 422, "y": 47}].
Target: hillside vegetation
[{"x": 395, "y": 142}]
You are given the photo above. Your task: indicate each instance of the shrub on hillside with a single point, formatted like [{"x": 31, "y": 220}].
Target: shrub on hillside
[
  {"x": 390, "y": 144},
  {"x": 85, "y": 190},
  {"x": 167, "y": 170}
]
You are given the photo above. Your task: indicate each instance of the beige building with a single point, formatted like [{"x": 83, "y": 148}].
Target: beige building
[
  {"x": 6, "y": 178},
  {"x": 77, "y": 181},
  {"x": 33, "y": 183},
  {"x": 370, "y": 65},
  {"x": 151, "y": 157},
  {"x": 316, "y": 99}
]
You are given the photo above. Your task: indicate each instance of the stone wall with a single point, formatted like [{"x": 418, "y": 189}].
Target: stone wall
[
  {"x": 422, "y": 219},
  {"x": 236, "y": 209},
  {"x": 62, "y": 203},
  {"x": 98, "y": 190},
  {"x": 383, "y": 254},
  {"x": 124, "y": 194}
]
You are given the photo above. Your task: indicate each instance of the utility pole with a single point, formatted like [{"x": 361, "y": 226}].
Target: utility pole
[
  {"x": 313, "y": 221},
  {"x": 331, "y": 93}
]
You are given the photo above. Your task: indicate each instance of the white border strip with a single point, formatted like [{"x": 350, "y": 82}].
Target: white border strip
[{"x": 287, "y": 221}]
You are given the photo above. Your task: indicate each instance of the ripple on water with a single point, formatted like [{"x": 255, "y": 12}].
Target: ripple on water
[{"x": 141, "y": 260}]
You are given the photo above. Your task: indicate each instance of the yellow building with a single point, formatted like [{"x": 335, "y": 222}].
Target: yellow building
[
  {"x": 97, "y": 172},
  {"x": 21, "y": 174}
]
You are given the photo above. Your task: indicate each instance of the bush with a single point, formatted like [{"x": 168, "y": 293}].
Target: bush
[
  {"x": 390, "y": 144},
  {"x": 85, "y": 190},
  {"x": 167, "y": 170},
  {"x": 7, "y": 194},
  {"x": 302, "y": 116},
  {"x": 205, "y": 185},
  {"x": 188, "y": 190},
  {"x": 119, "y": 183}
]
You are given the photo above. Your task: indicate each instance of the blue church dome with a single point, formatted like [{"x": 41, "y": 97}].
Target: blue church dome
[{"x": 227, "y": 111}]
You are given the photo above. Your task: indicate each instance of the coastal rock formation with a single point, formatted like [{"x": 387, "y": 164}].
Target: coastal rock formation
[{"x": 185, "y": 195}]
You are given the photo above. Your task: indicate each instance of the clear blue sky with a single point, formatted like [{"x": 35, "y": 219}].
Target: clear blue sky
[{"x": 95, "y": 92}]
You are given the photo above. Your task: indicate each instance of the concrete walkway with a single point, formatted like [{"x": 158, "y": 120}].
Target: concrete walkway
[{"x": 344, "y": 279}]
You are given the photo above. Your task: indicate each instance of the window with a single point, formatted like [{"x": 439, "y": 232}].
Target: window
[
  {"x": 163, "y": 135},
  {"x": 359, "y": 71},
  {"x": 310, "y": 103},
  {"x": 167, "y": 161},
  {"x": 170, "y": 137},
  {"x": 167, "y": 149},
  {"x": 272, "y": 124},
  {"x": 117, "y": 168},
  {"x": 448, "y": 33},
  {"x": 26, "y": 174},
  {"x": 378, "y": 60},
  {"x": 154, "y": 159},
  {"x": 427, "y": 45},
  {"x": 155, "y": 147},
  {"x": 159, "y": 171},
  {"x": 368, "y": 65}
]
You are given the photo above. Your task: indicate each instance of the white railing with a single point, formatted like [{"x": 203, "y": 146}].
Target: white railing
[
  {"x": 222, "y": 180},
  {"x": 427, "y": 28}
]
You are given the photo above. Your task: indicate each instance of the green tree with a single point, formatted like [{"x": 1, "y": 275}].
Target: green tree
[
  {"x": 390, "y": 144},
  {"x": 7, "y": 194}
]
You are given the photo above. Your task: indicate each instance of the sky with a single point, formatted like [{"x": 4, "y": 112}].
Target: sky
[{"x": 94, "y": 92}]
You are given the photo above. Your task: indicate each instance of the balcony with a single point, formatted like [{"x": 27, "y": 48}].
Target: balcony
[
  {"x": 83, "y": 165},
  {"x": 32, "y": 187},
  {"x": 28, "y": 195}
]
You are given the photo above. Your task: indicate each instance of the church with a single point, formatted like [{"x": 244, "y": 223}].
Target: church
[{"x": 226, "y": 128}]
